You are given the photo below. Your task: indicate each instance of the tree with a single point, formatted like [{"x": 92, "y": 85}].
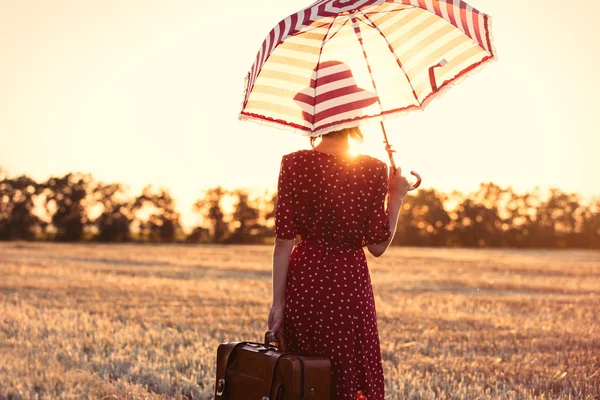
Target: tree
[
  {"x": 245, "y": 217},
  {"x": 590, "y": 226},
  {"x": 16, "y": 205},
  {"x": 210, "y": 209},
  {"x": 163, "y": 224},
  {"x": 115, "y": 221},
  {"x": 422, "y": 220},
  {"x": 67, "y": 196}
]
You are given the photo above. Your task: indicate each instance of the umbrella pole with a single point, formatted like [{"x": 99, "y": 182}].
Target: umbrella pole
[{"x": 388, "y": 148}]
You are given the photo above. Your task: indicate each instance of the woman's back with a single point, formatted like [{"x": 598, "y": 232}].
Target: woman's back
[
  {"x": 336, "y": 205},
  {"x": 335, "y": 198}
]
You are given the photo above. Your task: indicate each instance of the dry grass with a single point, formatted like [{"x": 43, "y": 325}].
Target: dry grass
[{"x": 144, "y": 321}]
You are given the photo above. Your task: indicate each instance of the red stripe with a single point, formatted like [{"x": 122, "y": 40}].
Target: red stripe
[
  {"x": 308, "y": 118},
  {"x": 321, "y": 10},
  {"x": 277, "y": 121},
  {"x": 267, "y": 51},
  {"x": 487, "y": 35},
  {"x": 337, "y": 76},
  {"x": 281, "y": 32},
  {"x": 334, "y": 94},
  {"x": 354, "y": 106},
  {"x": 463, "y": 18},
  {"x": 305, "y": 98},
  {"x": 450, "y": 7},
  {"x": 422, "y": 4},
  {"x": 294, "y": 22},
  {"x": 436, "y": 7},
  {"x": 477, "y": 30},
  {"x": 306, "y": 19}
]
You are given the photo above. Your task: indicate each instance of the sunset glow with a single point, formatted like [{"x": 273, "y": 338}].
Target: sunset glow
[{"x": 144, "y": 94}]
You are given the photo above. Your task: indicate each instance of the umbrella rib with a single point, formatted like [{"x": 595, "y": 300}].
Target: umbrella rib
[
  {"x": 317, "y": 67},
  {"x": 362, "y": 45},
  {"x": 336, "y": 32},
  {"x": 394, "y": 54},
  {"x": 299, "y": 32},
  {"x": 388, "y": 11}
]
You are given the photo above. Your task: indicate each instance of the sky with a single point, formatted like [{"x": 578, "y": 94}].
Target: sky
[{"x": 149, "y": 92}]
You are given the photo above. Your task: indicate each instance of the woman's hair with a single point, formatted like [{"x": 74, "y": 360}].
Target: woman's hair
[{"x": 353, "y": 133}]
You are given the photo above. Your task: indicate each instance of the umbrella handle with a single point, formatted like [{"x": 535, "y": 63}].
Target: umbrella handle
[
  {"x": 388, "y": 148},
  {"x": 417, "y": 183}
]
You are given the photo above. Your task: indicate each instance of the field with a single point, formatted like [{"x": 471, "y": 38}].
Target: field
[{"x": 144, "y": 321}]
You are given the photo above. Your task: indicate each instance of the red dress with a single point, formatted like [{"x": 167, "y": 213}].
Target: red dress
[{"x": 336, "y": 204}]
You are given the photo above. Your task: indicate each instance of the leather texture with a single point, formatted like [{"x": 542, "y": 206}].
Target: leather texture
[{"x": 259, "y": 371}]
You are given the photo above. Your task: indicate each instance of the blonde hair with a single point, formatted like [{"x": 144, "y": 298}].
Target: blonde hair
[{"x": 353, "y": 133}]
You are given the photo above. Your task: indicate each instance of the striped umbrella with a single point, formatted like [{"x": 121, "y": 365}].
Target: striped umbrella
[{"x": 341, "y": 63}]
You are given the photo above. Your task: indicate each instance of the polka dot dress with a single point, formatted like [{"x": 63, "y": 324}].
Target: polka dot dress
[{"x": 336, "y": 204}]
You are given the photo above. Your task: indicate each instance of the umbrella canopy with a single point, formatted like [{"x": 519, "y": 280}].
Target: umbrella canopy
[{"x": 340, "y": 63}]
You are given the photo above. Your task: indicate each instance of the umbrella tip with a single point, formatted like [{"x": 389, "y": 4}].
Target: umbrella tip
[{"x": 443, "y": 62}]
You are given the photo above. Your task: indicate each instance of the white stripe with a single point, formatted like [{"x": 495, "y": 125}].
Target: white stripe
[
  {"x": 342, "y": 83},
  {"x": 372, "y": 110},
  {"x": 417, "y": 39},
  {"x": 281, "y": 101},
  {"x": 274, "y": 43},
  {"x": 276, "y": 83},
  {"x": 429, "y": 4},
  {"x": 314, "y": 13},
  {"x": 434, "y": 47},
  {"x": 389, "y": 9},
  {"x": 322, "y": 29},
  {"x": 274, "y": 66},
  {"x": 401, "y": 28},
  {"x": 422, "y": 83},
  {"x": 345, "y": 44},
  {"x": 423, "y": 73},
  {"x": 282, "y": 51},
  {"x": 397, "y": 20},
  {"x": 338, "y": 101},
  {"x": 298, "y": 39},
  {"x": 273, "y": 99},
  {"x": 265, "y": 52},
  {"x": 444, "y": 10},
  {"x": 457, "y": 68},
  {"x": 286, "y": 27}
]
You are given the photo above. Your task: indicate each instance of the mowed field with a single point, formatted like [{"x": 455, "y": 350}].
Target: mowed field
[{"x": 144, "y": 321}]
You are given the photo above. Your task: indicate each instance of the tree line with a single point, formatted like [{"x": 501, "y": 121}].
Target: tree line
[{"x": 76, "y": 207}]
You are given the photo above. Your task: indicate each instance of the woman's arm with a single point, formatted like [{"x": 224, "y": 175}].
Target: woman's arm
[
  {"x": 281, "y": 258},
  {"x": 394, "y": 204},
  {"x": 397, "y": 188}
]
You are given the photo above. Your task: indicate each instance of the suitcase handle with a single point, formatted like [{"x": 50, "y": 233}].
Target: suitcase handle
[{"x": 276, "y": 337}]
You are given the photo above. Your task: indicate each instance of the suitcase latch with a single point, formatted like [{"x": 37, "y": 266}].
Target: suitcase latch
[
  {"x": 220, "y": 386},
  {"x": 265, "y": 398}
]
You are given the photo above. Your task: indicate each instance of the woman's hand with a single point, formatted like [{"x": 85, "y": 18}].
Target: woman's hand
[
  {"x": 397, "y": 184},
  {"x": 276, "y": 318}
]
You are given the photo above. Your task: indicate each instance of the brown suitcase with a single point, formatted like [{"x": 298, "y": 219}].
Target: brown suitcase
[{"x": 260, "y": 371}]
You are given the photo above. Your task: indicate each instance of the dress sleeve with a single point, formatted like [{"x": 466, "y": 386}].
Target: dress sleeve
[
  {"x": 377, "y": 226},
  {"x": 284, "y": 210}
]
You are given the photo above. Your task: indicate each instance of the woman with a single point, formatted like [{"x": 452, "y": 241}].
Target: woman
[{"x": 322, "y": 295}]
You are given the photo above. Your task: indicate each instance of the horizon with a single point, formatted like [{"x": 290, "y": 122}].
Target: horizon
[{"x": 140, "y": 103}]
